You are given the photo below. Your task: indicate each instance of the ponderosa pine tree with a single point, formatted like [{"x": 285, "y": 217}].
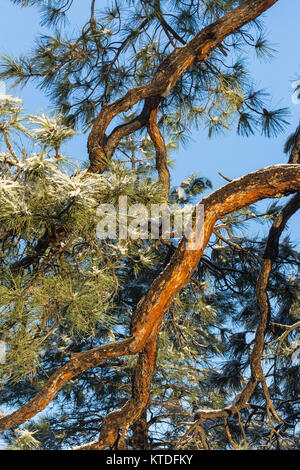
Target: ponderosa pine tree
[{"x": 140, "y": 343}]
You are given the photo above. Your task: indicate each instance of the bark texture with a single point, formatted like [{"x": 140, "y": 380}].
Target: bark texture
[
  {"x": 270, "y": 182},
  {"x": 101, "y": 147}
]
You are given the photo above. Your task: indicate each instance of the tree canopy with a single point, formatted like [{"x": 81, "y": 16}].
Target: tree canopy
[{"x": 144, "y": 342}]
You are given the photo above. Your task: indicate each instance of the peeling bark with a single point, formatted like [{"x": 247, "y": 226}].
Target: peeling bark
[{"x": 271, "y": 182}]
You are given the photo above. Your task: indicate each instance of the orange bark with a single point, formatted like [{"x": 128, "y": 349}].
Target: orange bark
[{"x": 269, "y": 182}]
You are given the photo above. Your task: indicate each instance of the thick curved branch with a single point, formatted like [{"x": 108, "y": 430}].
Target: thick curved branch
[
  {"x": 160, "y": 148},
  {"x": 113, "y": 140},
  {"x": 116, "y": 423},
  {"x": 166, "y": 76},
  {"x": 270, "y": 182},
  {"x": 270, "y": 254}
]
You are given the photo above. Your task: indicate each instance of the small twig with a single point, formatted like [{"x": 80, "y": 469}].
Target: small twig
[
  {"x": 229, "y": 242},
  {"x": 8, "y": 145},
  {"x": 231, "y": 441},
  {"x": 225, "y": 177}
]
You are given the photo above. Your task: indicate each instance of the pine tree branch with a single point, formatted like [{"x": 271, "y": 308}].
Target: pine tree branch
[
  {"x": 270, "y": 182},
  {"x": 8, "y": 144},
  {"x": 117, "y": 422},
  {"x": 140, "y": 432},
  {"x": 270, "y": 254},
  {"x": 167, "y": 75},
  {"x": 295, "y": 153},
  {"x": 51, "y": 236},
  {"x": 122, "y": 131},
  {"x": 166, "y": 27},
  {"x": 160, "y": 148}
]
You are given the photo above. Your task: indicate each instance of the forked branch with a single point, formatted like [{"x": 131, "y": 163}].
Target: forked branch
[
  {"x": 101, "y": 147},
  {"x": 270, "y": 182}
]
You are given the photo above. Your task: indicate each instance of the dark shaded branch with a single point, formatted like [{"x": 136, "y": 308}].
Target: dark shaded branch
[
  {"x": 295, "y": 153},
  {"x": 167, "y": 75},
  {"x": 51, "y": 237},
  {"x": 270, "y": 254},
  {"x": 140, "y": 433},
  {"x": 117, "y": 423},
  {"x": 160, "y": 148},
  {"x": 166, "y": 27}
]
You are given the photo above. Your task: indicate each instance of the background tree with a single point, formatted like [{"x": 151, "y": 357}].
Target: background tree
[{"x": 137, "y": 335}]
